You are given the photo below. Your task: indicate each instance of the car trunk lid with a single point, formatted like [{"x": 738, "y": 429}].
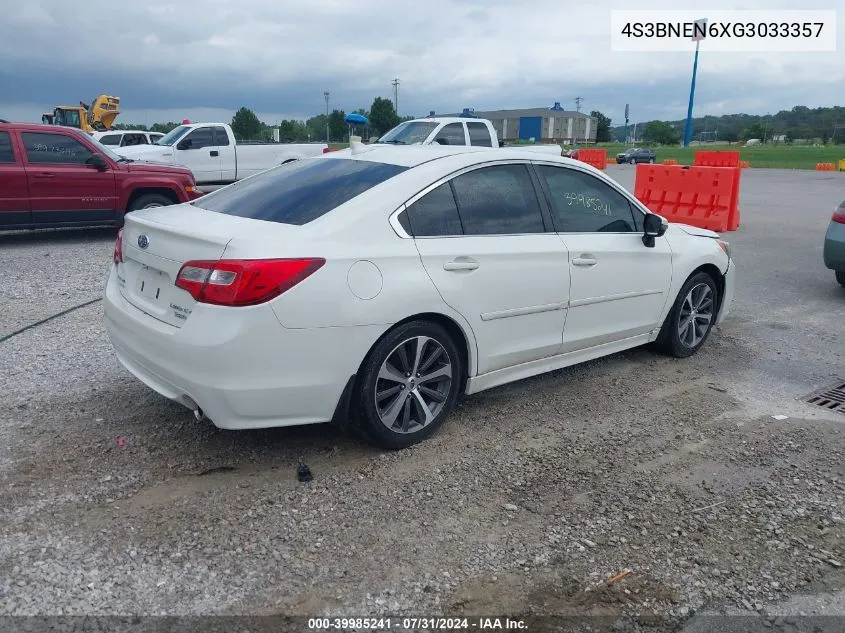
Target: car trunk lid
[{"x": 158, "y": 242}]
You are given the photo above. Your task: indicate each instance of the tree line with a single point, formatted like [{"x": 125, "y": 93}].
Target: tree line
[
  {"x": 801, "y": 122},
  {"x": 246, "y": 125}
]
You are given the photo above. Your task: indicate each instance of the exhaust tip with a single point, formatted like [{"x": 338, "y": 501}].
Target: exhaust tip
[{"x": 199, "y": 415}]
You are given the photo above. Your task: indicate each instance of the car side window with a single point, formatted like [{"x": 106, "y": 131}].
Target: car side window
[
  {"x": 111, "y": 139},
  {"x": 6, "y": 153},
  {"x": 433, "y": 215},
  {"x": 221, "y": 139},
  {"x": 581, "y": 203},
  {"x": 479, "y": 135},
  {"x": 498, "y": 200},
  {"x": 46, "y": 148},
  {"x": 200, "y": 138},
  {"x": 451, "y": 134}
]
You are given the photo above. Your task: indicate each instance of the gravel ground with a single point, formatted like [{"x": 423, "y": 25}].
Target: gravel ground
[{"x": 530, "y": 498}]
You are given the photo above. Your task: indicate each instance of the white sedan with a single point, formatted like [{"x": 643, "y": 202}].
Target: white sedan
[{"x": 374, "y": 286}]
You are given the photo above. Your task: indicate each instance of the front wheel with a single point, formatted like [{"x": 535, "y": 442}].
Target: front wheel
[
  {"x": 691, "y": 318},
  {"x": 408, "y": 385},
  {"x": 651, "y": 160},
  {"x": 150, "y": 201},
  {"x": 840, "y": 276}
]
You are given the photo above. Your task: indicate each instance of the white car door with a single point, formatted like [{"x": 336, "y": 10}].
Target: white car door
[
  {"x": 198, "y": 152},
  {"x": 619, "y": 285},
  {"x": 489, "y": 248}
]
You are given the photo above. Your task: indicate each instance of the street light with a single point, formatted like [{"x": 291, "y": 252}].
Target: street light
[
  {"x": 698, "y": 35},
  {"x": 326, "y": 95}
]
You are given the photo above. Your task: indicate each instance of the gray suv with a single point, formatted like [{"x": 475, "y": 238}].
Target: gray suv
[{"x": 636, "y": 155}]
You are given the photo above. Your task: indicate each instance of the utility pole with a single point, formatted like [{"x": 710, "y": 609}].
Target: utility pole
[
  {"x": 698, "y": 35},
  {"x": 326, "y": 95},
  {"x": 578, "y": 101},
  {"x": 395, "y": 84}
]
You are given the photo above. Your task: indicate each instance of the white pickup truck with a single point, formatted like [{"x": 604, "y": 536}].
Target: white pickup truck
[
  {"x": 453, "y": 131},
  {"x": 211, "y": 152}
]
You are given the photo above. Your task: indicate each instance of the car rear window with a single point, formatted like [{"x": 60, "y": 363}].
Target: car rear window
[{"x": 299, "y": 192}]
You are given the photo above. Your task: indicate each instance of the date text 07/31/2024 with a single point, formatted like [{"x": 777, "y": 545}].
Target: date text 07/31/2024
[{"x": 413, "y": 624}]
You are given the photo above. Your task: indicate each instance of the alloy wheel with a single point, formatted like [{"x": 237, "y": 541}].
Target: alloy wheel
[
  {"x": 413, "y": 384},
  {"x": 696, "y": 315}
]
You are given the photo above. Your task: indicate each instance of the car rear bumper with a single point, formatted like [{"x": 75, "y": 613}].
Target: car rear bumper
[
  {"x": 834, "y": 246},
  {"x": 239, "y": 365},
  {"x": 730, "y": 286}
]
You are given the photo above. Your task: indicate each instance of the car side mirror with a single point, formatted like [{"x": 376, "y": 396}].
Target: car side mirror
[
  {"x": 653, "y": 227},
  {"x": 98, "y": 161},
  {"x": 186, "y": 144}
]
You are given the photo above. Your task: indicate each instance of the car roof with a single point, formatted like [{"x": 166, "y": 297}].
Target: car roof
[{"x": 413, "y": 155}]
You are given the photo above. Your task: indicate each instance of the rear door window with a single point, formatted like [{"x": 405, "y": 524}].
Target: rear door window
[
  {"x": 498, "y": 200},
  {"x": 479, "y": 135},
  {"x": 451, "y": 134},
  {"x": 433, "y": 215},
  {"x": 299, "y": 192},
  {"x": 111, "y": 139},
  {"x": 221, "y": 139},
  {"x": 6, "y": 153}
]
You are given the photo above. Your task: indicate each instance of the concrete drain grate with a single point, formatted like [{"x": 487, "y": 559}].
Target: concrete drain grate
[{"x": 831, "y": 398}]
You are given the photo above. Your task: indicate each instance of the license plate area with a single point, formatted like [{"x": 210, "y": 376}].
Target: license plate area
[{"x": 151, "y": 283}]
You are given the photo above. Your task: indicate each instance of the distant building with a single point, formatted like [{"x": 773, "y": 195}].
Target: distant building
[{"x": 543, "y": 125}]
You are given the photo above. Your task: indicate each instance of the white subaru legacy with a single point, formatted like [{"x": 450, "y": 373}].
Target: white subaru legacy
[{"x": 372, "y": 287}]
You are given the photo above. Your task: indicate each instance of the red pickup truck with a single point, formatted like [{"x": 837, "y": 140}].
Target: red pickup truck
[{"x": 53, "y": 176}]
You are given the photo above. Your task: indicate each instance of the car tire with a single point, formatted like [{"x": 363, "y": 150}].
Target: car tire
[
  {"x": 149, "y": 201},
  {"x": 396, "y": 407},
  {"x": 684, "y": 331},
  {"x": 651, "y": 160},
  {"x": 840, "y": 276}
]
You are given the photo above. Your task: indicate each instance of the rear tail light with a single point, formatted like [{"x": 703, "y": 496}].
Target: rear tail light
[
  {"x": 243, "y": 282},
  {"x": 839, "y": 214},
  {"x": 326, "y": 150},
  {"x": 117, "y": 257}
]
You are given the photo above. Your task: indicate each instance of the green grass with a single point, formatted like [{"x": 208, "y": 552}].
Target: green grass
[{"x": 775, "y": 156}]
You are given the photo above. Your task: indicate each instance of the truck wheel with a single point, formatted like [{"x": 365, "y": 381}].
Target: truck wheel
[{"x": 149, "y": 201}]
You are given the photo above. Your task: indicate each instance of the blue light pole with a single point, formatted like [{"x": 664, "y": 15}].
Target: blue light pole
[{"x": 697, "y": 37}]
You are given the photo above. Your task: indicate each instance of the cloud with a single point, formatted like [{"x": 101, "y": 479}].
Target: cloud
[{"x": 213, "y": 56}]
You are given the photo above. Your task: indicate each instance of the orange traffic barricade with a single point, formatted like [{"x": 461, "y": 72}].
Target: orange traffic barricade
[
  {"x": 716, "y": 159},
  {"x": 670, "y": 161},
  {"x": 744, "y": 164},
  {"x": 826, "y": 166},
  {"x": 595, "y": 157},
  {"x": 706, "y": 197}
]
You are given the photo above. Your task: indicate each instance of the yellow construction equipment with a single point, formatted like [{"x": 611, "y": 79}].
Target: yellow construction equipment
[{"x": 99, "y": 116}]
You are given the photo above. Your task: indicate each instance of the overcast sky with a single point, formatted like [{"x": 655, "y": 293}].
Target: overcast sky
[{"x": 202, "y": 59}]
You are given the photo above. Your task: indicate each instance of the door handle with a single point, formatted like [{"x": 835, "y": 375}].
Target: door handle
[
  {"x": 584, "y": 262},
  {"x": 214, "y": 152},
  {"x": 460, "y": 265},
  {"x": 45, "y": 174}
]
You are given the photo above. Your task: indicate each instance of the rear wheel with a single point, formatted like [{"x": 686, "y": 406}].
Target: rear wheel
[
  {"x": 840, "y": 276},
  {"x": 408, "y": 385},
  {"x": 691, "y": 319},
  {"x": 651, "y": 160}
]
